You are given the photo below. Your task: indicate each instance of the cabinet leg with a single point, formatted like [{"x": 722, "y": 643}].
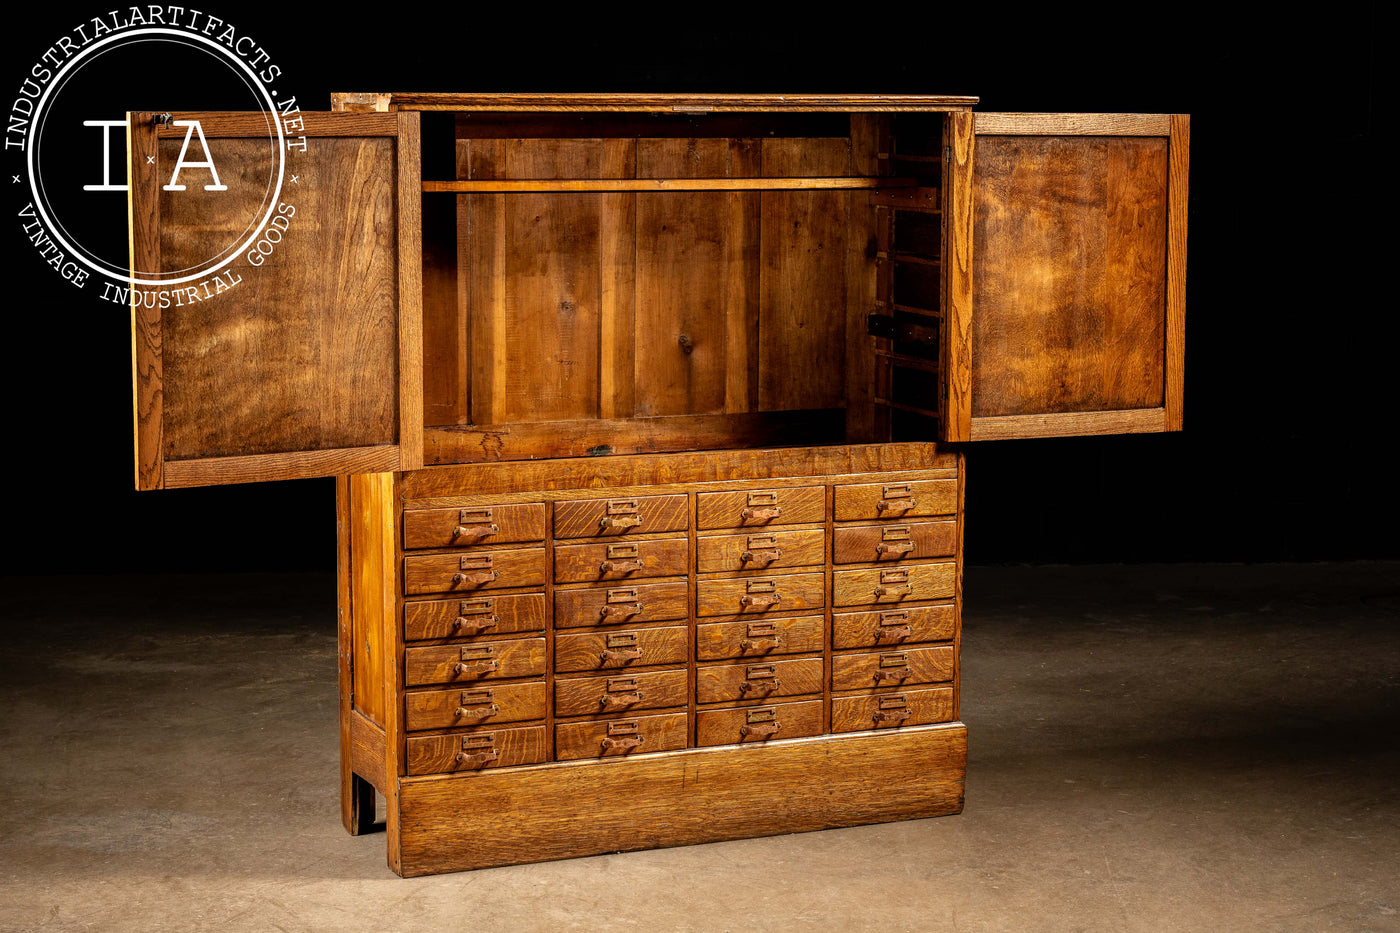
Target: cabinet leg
[{"x": 356, "y": 804}]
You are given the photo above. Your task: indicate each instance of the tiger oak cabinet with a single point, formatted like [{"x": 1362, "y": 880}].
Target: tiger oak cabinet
[{"x": 649, "y": 415}]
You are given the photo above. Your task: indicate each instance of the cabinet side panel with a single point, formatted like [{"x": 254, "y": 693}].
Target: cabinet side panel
[
  {"x": 372, "y": 597},
  {"x": 1069, "y": 274},
  {"x": 303, "y": 354},
  {"x": 679, "y": 798}
]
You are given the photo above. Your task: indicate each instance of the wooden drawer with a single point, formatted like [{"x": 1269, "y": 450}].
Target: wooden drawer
[
  {"x": 621, "y": 560},
  {"x": 760, "y": 507},
  {"x": 892, "y": 626},
  {"x": 471, "y": 706},
  {"x": 584, "y": 518},
  {"x": 716, "y": 683},
  {"x": 758, "y": 638},
  {"x": 645, "y": 602},
  {"x": 761, "y": 550},
  {"x": 891, "y": 710},
  {"x": 482, "y": 660},
  {"x": 478, "y": 570},
  {"x": 614, "y": 738},
  {"x": 475, "y": 751},
  {"x": 785, "y": 593},
  {"x": 478, "y": 615},
  {"x": 897, "y": 500},
  {"x": 758, "y": 723},
  {"x": 882, "y": 585},
  {"x": 894, "y": 542},
  {"x": 486, "y": 524},
  {"x": 892, "y": 668},
  {"x": 598, "y": 651},
  {"x": 590, "y": 696}
]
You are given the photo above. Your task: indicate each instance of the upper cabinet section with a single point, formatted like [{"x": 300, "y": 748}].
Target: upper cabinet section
[
  {"x": 297, "y": 371},
  {"x": 1066, "y": 262}
]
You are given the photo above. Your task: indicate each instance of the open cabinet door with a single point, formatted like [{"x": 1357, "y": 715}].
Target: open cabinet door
[
  {"x": 1066, "y": 264},
  {"x": 302, "y": 356}
]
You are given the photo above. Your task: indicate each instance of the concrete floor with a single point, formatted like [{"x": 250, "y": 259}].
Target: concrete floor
[{"x": 1153, "y": 748}]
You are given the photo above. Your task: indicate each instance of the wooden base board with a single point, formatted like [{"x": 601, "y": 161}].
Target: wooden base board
[{"x": 545, "y": 812}]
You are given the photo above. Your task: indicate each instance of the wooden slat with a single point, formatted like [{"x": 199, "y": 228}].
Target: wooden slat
[
  {"x": 1068, "y": 424},
  {"x": 410, "y": 245},
  {"x": 656, "y": 469},
  {"x": 371, "y": 590},
  {"x": 1177, "y": 189},
  {"x": 143, "y": 231},
  {"x": 956, "y": 403},
  {"x": 1072, "y": 124},
  {"x": 861, "y": 284},
  {"x": 356, "y": 794},
  {"x": 261, "y": 468},
  {"x": 240, "y": 124},
  {"x": 929, "y": 200},
  {"x": 682, "y": 103},
  {"x": 507, "y": 186},
  {"x": 366, "y": 753},
  {"x": 679, "y": 798},
  {"x": 596, "y": 438}
]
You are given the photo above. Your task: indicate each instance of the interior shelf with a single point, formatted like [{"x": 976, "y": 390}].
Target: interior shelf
[{"x": 488, "y": 186}]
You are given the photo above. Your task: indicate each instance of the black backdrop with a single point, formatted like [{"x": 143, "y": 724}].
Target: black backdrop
[{"x": 1286, "y": 452}]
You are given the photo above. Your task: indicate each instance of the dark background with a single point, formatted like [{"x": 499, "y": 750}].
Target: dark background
[{"x": 1290, "y": 346}]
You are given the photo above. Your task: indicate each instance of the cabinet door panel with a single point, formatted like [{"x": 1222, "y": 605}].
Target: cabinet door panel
[
  {"x": 306, "y": 365},
  {"x": 1065, "y": 275}
]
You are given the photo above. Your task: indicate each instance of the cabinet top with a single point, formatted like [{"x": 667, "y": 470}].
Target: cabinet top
[{"x": 652, "y": 103}]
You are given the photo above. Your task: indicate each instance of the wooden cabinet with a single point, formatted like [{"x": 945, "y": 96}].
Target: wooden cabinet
[{"x": 647, "y": 413}]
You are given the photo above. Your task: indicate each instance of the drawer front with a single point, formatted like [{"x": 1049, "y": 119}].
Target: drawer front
[
  {"x": 881, "y": 586},
  {"x": 760, "y": 507},
  {"x": 477, "y": 570},
  {"x": 894, "y": 542},
  {"x": 599, "y": 651},
  {"x": 758, "y": 723},
  {"x": 892, "y": 668},
  {"x": 786, "y": 593},
  {"x": 621, "y": 560},
  {"x": 645, "y": 602},
  {"x": 475, "y": 751},
  {"x": 892, "y": 626},
  {"x": 718, "y": 683},
  {"x": 758, "y": 638},
  {"x": 760, "y": 550},
  {"x": 591, "y": 696},
  {"x": 896, "y": 500},
  {"x": 615, "y": 738},
  {"x": 483, "y": 660},
  {"x": 892, "y": 710},
  {"x": 476, "y": 615},
  {"x": 586, "y": 518},
  {"x": 472, "y": 706},
  {"x": 487, "y": 524}
]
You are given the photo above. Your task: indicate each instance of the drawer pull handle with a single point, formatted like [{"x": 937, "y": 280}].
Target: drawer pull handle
[
  {"x": 898, "y": 548},
  {"x": 620, "y": 699},
  {"x": 895, "y": 505},
  {"x": 620, "y": 609},
  {"x": 894, "y": 674},
  {"x": 893, "y": 715},
  {"x": 764, "y": 729},
  {"x": 767, "y": 685},
  {"x": 764, "y": 557},
  {"x": 620, "y": 521},
  {"x": 762, "y": 601},
  {"x": 894, "y": 632},
  {"x": 622, "y": 745},
  {"x": 899, "y": 589},
  {"x": 475, "y": 668},
  {"x": 620, "y": 654},
  {"x": 621, "y": 566},
  {"x": 771, "y": 643},
  {"x": 474, "y": 531},
  {"x": 761, "y": 514},
  {"x": 475, "y": 578},
  {"x": 480, "y": 712},
  {"x": 474, "y": 626},
  {"x": 477, "y": 759}
]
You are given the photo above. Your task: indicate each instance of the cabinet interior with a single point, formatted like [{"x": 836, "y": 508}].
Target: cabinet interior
[{"x": 616, "y": 283}]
